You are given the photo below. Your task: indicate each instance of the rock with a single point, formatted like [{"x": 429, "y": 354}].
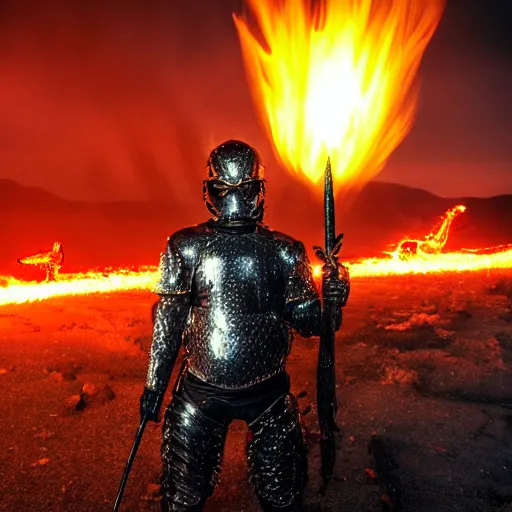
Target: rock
[
  {"x": 400, "y": 376},
  {"x": 75, "y": 402},
  {"x": 445, "y": 334},
  {"x": 90, "y": 389},
  {"x": 56, "y": 377},
  {"x": 430, "y": 309},
  {"x": 44, "y": 434},
  {"x": 417, "y": 320},
  {"x": 370, "y": 473},
  {"x": 60, "y": 376},
  {"x": 100, "y": 393}
]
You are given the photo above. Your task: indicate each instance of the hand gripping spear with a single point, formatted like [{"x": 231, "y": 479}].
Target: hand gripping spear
[{"x": 326, "y": 376}]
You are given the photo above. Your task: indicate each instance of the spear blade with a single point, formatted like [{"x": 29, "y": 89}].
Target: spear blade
[{"x": 330, "y": 229}]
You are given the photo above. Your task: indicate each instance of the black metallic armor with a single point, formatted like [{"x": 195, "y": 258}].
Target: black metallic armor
[{"x": 230, "y": 291}]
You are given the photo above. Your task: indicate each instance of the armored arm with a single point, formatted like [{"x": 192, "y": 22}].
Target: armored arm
[
  {"x": 303, "y": 305},
  {"x": 170, "y": 317},
  {"x": 303, "y": 308}
]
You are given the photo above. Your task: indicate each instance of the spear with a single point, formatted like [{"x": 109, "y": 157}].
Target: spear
[{"x": 326, "y": 377}]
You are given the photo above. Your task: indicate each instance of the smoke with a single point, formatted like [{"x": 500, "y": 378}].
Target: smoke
[{"x": 105, "y": 101}]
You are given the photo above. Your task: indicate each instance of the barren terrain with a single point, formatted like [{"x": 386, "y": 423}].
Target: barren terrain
[{"x": 425, "y": 393}]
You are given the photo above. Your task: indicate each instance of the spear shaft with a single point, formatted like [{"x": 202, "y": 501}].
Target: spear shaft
[
  {"x": 326, "y": 377},
  {"x": 129, "y": 464}
]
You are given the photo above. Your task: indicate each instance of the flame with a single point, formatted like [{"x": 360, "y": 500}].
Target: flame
[
  {"x": 459, "y": 261},
  {"x": 14, "y": 291},
  {"x": 50, "y": 261},
  {"x": 434, "y": 242},
  {"x": 338, "y": 80},
  {"x": 426, "y": 258}
]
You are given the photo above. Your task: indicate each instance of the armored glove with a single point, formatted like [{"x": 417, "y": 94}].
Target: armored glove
[
  {"x": 335, "y": 283},
  {"x": 336, "y": 278},
  {"x": 150, "y": 403}
]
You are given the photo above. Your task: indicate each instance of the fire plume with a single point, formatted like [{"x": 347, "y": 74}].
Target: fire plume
[{"x": 336, "y": 78}]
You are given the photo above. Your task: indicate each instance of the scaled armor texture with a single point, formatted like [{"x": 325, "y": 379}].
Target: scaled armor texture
[
  {"x": 191, "y": 454},
  {"x": 247, "y": 291},
  {"x": 170, "y": 318}
]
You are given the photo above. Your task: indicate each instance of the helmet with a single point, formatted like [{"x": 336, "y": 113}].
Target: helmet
[{"x": 234, "y": 190}]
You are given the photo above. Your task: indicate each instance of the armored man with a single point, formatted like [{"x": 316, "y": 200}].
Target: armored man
[{"x": 231, "y": 291}]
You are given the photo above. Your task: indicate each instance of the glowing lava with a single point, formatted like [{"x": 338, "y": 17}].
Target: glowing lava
[
  {"x": 336, "y": 80},
  {"x": 433, "y": 243},
  {"x": 460, "y": 261},
  {"x": 14, "y": 291},
  {"x": 425, "y": 258}
]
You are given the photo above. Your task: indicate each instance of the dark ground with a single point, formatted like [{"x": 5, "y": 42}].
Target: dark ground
[{"x": 424, "y": 373}]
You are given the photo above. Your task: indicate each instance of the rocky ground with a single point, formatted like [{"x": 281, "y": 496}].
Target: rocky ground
[{"x": 425, "y": 393}]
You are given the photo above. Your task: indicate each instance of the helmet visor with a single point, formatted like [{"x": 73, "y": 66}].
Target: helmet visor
[{"x": 250, "y": 189}]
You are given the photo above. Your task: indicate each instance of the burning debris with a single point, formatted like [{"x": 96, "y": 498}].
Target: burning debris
[
  {"x": 434, "y": 242},
  {"x": 50, "y": 261}
]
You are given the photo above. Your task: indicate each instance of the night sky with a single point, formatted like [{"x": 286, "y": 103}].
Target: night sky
[{"x": 124, "y": 99}]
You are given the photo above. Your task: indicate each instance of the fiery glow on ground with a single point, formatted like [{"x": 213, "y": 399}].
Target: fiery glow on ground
[{"x": 337, "y": 80}]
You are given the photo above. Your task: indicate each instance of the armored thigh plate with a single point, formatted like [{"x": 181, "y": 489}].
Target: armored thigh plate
[
  {"x": 191, "y": 455},
  {"x": 277, "y": 455}
]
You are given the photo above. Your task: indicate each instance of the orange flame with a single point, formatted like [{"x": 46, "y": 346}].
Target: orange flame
[
  {"x": 338, "y": 80},
  {"x": 427, "y": 258},
  {"x": 434, "y": 242},
  {"x": 14, "y": 291},
  {"x": 50, "y": 261}
]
